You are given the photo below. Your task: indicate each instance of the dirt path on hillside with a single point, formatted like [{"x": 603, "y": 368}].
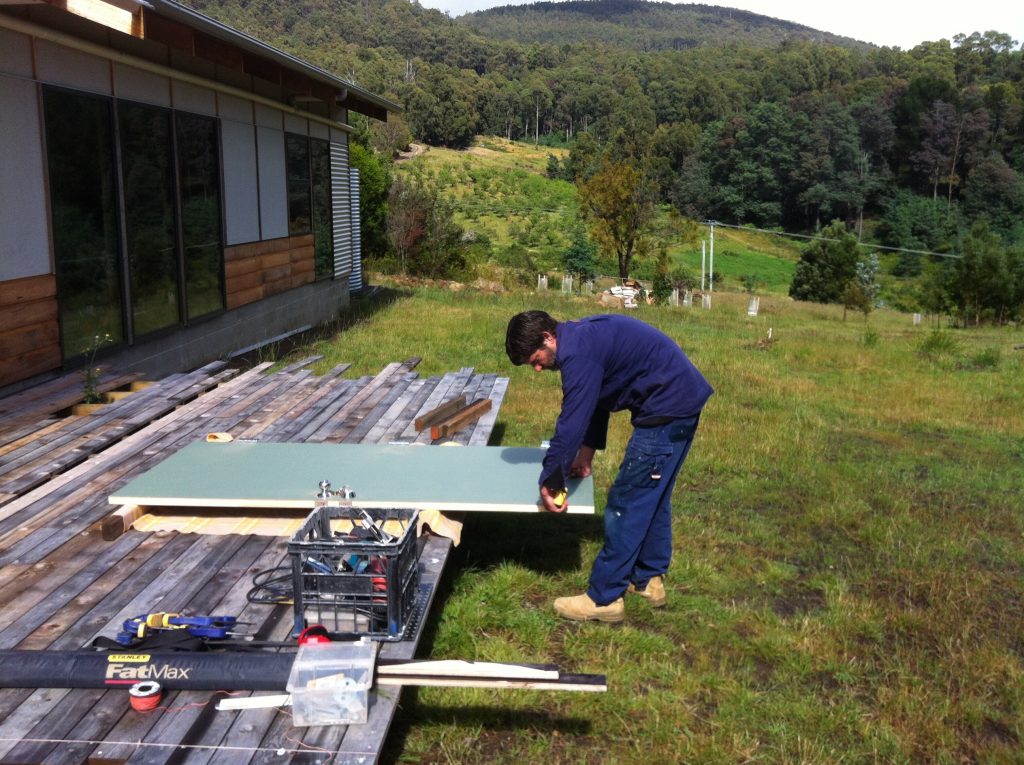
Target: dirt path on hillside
[{"x": 415, "y": 150}]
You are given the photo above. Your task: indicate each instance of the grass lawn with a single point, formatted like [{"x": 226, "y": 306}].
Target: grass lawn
[{"x": 849, "y": 546}]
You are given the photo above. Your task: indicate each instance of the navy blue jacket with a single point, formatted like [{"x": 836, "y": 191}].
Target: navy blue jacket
[{"x": 611, "y": 363}]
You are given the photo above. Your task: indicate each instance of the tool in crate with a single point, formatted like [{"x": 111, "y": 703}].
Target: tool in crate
[
  {"x": 350, "y": 573},
  {"x": 215, "y": 627}
]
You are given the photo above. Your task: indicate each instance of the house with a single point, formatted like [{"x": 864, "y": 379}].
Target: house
[{"x": 168, "y": 184}]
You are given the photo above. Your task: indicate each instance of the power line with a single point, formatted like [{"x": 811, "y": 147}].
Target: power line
[{"x": 829, "y": 239}]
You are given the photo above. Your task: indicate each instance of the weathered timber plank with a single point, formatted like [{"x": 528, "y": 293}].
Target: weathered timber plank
[
  {"x": 190, "y": 724},
  {"x": 21, "y": 716},
  {"x": 482, "y": 432},
  {"x": 362, "y": 401},
  {"x": 305, "y": 408},
  {"x": 97, "y": 720},
  {"x": 96, "y": 609},
  {"x": 19, "y": 710},
  {"x": 329, "y": 408},
  {"x": 35, "y": 605},
  {"x": 276, "y": 409},
  {"x": 437, "y": 396},
  {"x": 78, "y": 438},
  {"x": 367, "y": 421},
  {"x": 398, "y": 413},
  {"x": 44, "y": 736},
  {"x": 63, "y": 563}
]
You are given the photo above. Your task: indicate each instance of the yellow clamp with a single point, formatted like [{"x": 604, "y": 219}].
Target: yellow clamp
[{"x": 159, "y": 620}]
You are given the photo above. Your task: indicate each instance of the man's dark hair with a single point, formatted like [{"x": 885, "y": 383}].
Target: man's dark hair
[{"x": 525, "y": 334}]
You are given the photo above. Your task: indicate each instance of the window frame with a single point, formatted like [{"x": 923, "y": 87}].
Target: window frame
[{"x": 113, "y": 107}]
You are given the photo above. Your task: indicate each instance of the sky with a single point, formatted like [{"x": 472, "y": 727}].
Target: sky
[{"x": 900, "y": 23}]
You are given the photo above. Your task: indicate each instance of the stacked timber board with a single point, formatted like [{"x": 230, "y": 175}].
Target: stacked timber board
[{"x": 61, "y": 585}]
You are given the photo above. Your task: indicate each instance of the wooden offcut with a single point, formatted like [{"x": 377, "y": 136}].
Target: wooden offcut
[
  {"x": 447, "y": 409},
  {"x": 118, "y": 522},
  {"x": 456, "y": 422}
]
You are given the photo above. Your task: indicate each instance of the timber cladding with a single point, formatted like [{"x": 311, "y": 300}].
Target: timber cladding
[
  {"x": 29, "y": 329},
  {"x": 258, "y": 270}
]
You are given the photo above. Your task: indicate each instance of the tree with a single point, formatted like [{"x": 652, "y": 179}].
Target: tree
[
  {"x": 554, "y": 168},
  {"x": 661, "y": 289},
  {"x": 408, "y": 204},
  {"x": 949, "y": 139},
  {"x": 440, "y": 106},
  {"x": 994, "y": 190},
  {"x": 855, "y": 298},
  {"x": 827, "y": 267},
  {"x": 749, "y": 160},
  {"x": 981, "y": 281},
  {"x": 391, "y": 136},
  {"x": 582, "y": 159},
  {"x": 374, "y": 181},
  {"x": 619, "y": 202},
  {"x": 825, "y": 175},
  {"x": 579, "y": 258},
  {"x": 422, "y": 232}
]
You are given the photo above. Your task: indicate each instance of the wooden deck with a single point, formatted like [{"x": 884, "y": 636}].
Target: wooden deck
[{"x": 61, "y": 585}]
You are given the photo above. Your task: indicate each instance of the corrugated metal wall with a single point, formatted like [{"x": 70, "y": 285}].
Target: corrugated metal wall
[
  {"x": 355, "y": 280},
  {"x": 341, "y": 202}
]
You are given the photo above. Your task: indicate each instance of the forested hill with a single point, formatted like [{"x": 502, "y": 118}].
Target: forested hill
[
  {"x": 911, "y": 147},
  {"x": 639, "y": 25}
]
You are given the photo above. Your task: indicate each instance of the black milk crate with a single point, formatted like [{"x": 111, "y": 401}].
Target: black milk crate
[{"x": 351, "y": 583}]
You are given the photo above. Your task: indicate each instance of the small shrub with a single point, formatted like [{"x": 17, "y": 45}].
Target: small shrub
[
  {"x": 750, "y": 282},
  {"x": 682, "y": 279},
  {"x": 987, "y": 359},
  {"x": 662, "y": 288},
  {"x": 938, "y": 343},
  {"x": 870, "y": 338}
]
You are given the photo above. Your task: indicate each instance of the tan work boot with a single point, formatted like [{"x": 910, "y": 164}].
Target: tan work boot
[
  {"x": 653, "y": 593},
  {"x": 582, "y": 608}
]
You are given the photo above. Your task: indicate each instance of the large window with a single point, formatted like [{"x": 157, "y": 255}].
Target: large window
[
  {"x": 308, "y": 162},
  {"x": 152, "y": 248},
  {"x": 296, "y": 149},
  {"x": 84, "y": 210},
  {"x": 135, "y": 199},
  {"x": 199, "y": 183},
  {"x": 323, "y": 239}
]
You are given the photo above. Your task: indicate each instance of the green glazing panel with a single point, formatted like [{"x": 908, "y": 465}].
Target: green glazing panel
[{"x": 265, "y": 475}]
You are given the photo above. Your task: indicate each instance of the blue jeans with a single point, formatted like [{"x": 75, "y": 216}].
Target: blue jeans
[{"x": 638, "y": 515}]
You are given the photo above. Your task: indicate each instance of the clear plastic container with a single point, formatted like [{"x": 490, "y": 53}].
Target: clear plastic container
[{"x": 330, "y": 682}]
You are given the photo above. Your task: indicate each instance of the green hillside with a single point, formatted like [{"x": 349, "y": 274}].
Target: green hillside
[{"x": 501, "y": 196}]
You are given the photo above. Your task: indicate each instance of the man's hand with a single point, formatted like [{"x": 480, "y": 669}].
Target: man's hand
[
  {"x": 549, "y": 502},
  {"x": 581, "y": 466}
]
